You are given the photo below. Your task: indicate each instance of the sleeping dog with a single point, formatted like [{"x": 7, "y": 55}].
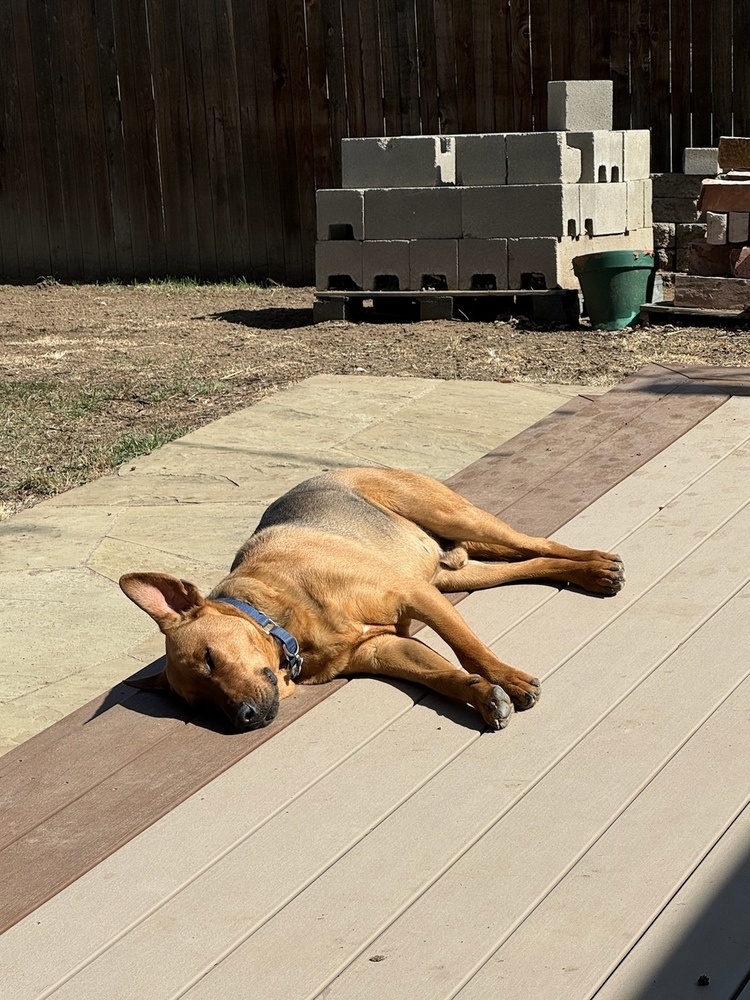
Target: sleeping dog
[{"x": 328, "y": 585}]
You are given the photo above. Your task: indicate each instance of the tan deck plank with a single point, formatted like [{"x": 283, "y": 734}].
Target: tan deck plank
[
  {"x": 245, "y": 797},
  {"x": 639, "y": 861},
  {"x": 594, "y": 669},
  {"x": 703, "y": 931},
  {"x": 495, "y": 790}
]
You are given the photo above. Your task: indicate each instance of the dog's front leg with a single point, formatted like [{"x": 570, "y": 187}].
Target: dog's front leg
[
  {"x": 411, "y": 660},
  {"x": 425, "y": 603}
]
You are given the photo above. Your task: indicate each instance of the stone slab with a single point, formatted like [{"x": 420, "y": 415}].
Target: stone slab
[
  {"x": 734, "y": 153},
  {"x": 718, "y": 195},
  {"x": 712, "y": 293},
  {"x": 738, "y": 227},
  {"x": 710, "y": 260}
]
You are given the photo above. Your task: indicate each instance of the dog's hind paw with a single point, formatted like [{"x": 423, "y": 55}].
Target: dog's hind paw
[{"x": 499, "y": 709}]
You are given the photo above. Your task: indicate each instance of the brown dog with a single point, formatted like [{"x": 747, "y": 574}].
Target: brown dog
[{"x": 343, "y": 562}]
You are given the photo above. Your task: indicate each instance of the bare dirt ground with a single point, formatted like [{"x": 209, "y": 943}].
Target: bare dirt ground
[{"x": 91, "y": 376}]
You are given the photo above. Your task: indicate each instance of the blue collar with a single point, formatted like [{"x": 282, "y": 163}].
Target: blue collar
[{"x": 288, "y": 642}]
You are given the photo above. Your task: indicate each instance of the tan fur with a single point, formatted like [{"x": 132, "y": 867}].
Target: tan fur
[{"x": 348, "y": 593}]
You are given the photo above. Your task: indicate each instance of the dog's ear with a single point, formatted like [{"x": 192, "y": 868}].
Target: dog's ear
[
  {"x": 163, "y": 597},
  {"x": 156, "y": 682}
]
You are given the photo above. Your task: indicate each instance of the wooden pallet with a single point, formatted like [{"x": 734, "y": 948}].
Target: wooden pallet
[
  {"x": 668, "y": 312},
  {"x": 555, "y": 305}
]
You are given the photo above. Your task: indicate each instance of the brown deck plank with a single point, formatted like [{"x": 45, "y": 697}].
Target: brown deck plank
[
  {"x": 540, "y": 479},
  {"x": 68, "y": 843}
]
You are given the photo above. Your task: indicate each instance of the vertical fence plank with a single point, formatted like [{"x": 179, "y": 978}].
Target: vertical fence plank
[
  {"x": 392, "y": 106},
  {"x": 661, "y": 136},
  {"x": 466, "y": 85},
  {"x": 580, "y": 42},
  {"x": 14, "y": 233},
  {"x": 540, "y": 61},
  {"x": 429, "y": 111},
  {"x": 701, "y": 71},
  {"x": 323, "y": 158},
  {"x": 483, "y": 66},
  {"x": 741, "y": 63},
  {"x": 640, "y": 75},
  {"x": 619, "y": 61},
  {"x": 721, "y": 68},
  {"x": 334, "y": 61},
  {"x": 681, "y": 133},
  {"x": 599, "y": 17},
  {"x": 406, "y": 27},
  {"x": 353, "y": 70},
  {"x": 521, "y": 64},
  {"x": 303, "y": 147},
  {"x": 562, "y": 32},
  {"x": 501, "y": 66},
  {"x": 445, "y": 47}
]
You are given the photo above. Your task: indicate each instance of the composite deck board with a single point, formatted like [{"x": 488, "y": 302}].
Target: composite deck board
[
  {"x": 703, "y": 931},
  {"x": 66, "y": 846},
  {"x": 583, "y": 714},
  {"x": 645, "y": 855},
  {"x": 712, "y": 482}
]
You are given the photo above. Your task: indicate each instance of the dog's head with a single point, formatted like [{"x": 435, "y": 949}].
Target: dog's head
[{"x": 214, "y": 652}]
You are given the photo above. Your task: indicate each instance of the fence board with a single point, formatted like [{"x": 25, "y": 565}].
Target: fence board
[
  {"x": 184, "y": 137},
  {"x": 661, "y": 137},
  {"x": 741, "y": 34},
  {"x": 680, "y": 81},
  {"x": 700, "y": 73},
  {"x": 721, "y": 67}
]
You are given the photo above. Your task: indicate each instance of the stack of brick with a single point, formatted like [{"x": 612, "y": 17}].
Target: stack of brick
[
  {"x": 677, "y": 222},
  {"x": 506, "y": 211},
  {"x": 718, "y": 268}
]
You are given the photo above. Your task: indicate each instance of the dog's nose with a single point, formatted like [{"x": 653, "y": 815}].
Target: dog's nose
[{"x": 246, "y": 715}]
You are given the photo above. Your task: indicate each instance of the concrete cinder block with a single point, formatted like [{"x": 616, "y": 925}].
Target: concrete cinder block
[
  {"x": 579, "y": 105},
  {"x": 701, "y": 161},
  {"x": 401, "y": 161},
  {"x": 480, "y": 159},
  {"x": 542, "y": 158},
  {"x": 433, "y": 264},
  {"x": 413, "y": 213},
  {"x": 717, "y": 224},
  {"x": 548, "y": 263},
  {"x": 675, "y": 209},
  {"x": 636, "y": 154},
  {"x": 604, "y": 209},
  {"x": 338, "y": 265},
  {"x": 482, "y": 264},
  {"x": 521, "y": 210},
  {"x": 340, "y": 214},
  {"x": 737, "y": 229},
  {"x": 687, "y": 186},
  {"x": 385, "y": 265},
  {"x": 601, "y": 155},
  {"x": 639, "y": 204}
]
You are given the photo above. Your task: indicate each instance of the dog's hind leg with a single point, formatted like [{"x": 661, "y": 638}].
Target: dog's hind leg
[
  {"x": 411, "y": 660},
  {"x": 600, "y": 576},
  {"x": 446, "y": 514}
]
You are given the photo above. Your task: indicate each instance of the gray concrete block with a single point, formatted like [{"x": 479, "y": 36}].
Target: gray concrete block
[
  {"x": 675, "y": 209},
  {"x": 639, "y": 204},
  {"x": 636, "y": 154},
  {"x": 481, "y": 159},
  {"x": 687, "y": 233},
  {"x": 601, "y": 155},
  {"x": 433, "y": 264},
  {"x": 664, "y": 235},
  {"x": 413, "y": 213},
  {"x": 717, "y": 224},
  {"x": 676, "y": 185},
  {"x": 385, "y": 265},
  {"x": 548, "y": 263},
  {"x": 401, "y": 161},
  {"x": 482, "y": 264},
  {"x": 737, "y": 230},
  {"x": 340, "y": 214},
  {"x": 542, "y": 158},
  {"x": 604, "y": 209},
  {"x": 702, "y": 161},
  {"x": 521, "y": 210},
  {"x": 579, "y": 105},
  {"x": 338, "y": 265}
]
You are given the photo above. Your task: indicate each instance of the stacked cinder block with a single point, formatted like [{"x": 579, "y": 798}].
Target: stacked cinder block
[
  {"x": 483, "y": 212},
  {"x": 718, "y": 268}
]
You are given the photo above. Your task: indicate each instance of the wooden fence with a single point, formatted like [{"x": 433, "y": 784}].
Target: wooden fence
[{"x": 187, "y": 137}]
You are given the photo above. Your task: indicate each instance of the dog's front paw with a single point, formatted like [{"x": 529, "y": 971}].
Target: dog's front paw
[
  {"x": 600, "y": 576},
  {"x": 498, "y": 709}
]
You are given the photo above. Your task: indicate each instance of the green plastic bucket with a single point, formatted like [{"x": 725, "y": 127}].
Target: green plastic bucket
[{"x": 615, "y": 284}]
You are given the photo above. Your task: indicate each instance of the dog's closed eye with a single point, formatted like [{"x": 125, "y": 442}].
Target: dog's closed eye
[
  {"x": 209, "y": 661},
  {"x": 271, "y": 675}
]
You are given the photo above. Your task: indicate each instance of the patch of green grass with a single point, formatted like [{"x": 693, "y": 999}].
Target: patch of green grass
[{"x": 130, "y": 446}]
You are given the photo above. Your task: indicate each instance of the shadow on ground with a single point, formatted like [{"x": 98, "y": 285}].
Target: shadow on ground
[{"x": 266, "y": 319}]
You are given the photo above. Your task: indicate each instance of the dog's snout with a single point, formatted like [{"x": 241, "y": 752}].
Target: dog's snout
[{"x": 247, "y": 714}]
